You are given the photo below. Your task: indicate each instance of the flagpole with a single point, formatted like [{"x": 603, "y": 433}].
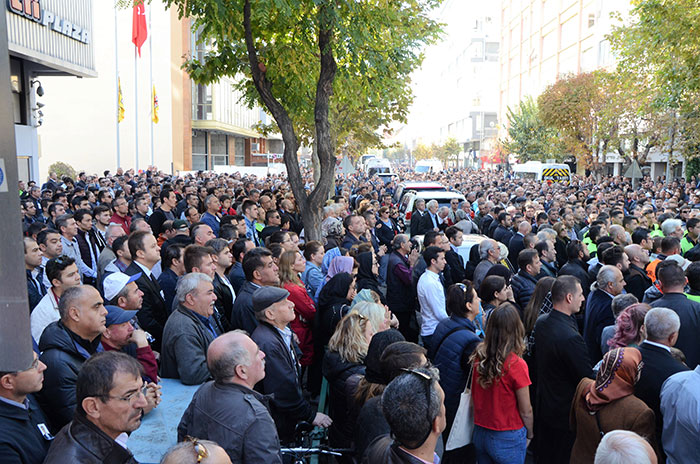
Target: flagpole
[
  {"x": 150, "y": 59},
  {"x": 136, "y": 108},
  {"x": 116, "y": 79}
]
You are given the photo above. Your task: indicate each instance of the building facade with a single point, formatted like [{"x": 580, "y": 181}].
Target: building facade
[{"x": 198, "y": 127}]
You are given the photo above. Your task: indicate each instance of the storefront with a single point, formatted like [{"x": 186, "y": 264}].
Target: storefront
[{"x": 45, "y": 37}]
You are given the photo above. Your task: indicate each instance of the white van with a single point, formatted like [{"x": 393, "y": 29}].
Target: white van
[
  {"x": 536, "y": 170},
  {"x": 378, "y": 166},
  {"x": 428, "y": 166},
  {"x": 362, "y": 162}
]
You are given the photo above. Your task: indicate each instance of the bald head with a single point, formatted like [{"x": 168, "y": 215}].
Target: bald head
[
  {"x": 185, "y": 453},
  {"x": 232, "y": 358},
  {"x": 524, "y": 227},
  {"x": 637, "y": 255}
]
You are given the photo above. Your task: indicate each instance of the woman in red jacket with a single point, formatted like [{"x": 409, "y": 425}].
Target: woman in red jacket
[{"x": 291, "y": 264}]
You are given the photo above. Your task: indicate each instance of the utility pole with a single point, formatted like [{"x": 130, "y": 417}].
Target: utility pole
[{"x": 15, "y": 336}]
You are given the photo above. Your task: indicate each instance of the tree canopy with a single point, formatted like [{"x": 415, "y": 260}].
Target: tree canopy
[{"x": 529, "y": 137}]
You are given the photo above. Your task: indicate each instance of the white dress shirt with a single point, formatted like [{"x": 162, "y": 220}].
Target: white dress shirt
[{"x": 431, "y": 296}]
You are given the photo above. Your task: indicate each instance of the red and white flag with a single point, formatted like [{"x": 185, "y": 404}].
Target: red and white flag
[{"x": 139, "y": 31}]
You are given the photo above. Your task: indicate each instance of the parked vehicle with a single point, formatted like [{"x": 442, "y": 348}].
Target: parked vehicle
[
  {"x": 428, "y": 166},
  {"x": 409, "y": 198},
  {"x": 404, "y": 187},
  {"x": 536, "y": 170}
]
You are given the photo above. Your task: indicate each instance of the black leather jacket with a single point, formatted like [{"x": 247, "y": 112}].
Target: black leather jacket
[{"x": 81, "y": 441}]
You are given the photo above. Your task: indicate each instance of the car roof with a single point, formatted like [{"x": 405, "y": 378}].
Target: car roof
[
  {"x": 437, "y": 194},
  {"x": 422, "y": 185}
]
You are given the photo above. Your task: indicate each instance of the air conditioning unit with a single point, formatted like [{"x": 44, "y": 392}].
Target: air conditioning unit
[{"x": 255, "y": 147}]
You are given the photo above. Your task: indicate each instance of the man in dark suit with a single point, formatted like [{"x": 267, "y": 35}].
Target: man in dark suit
[
  {"x": 636, "y": 277},
  {"x": 576, "y": 266},
  {"x": 456, "y": 262},
  {"x": 503, "y": 232},
  {"x": 598, "y": 313},
  {"x": 662, "y": 326},
  {"x": 673, "y": 281},
  {"x": 417, "y": 216},
  {"x": 561, "y": 361},
  {"x": 260, "y": 270},
  {"x": 517, "y": 243},
  {"x": 430, "y": 220},
  {"x": 145, "y": 253}
]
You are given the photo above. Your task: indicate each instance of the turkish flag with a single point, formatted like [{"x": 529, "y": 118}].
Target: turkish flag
[{"x": 139, "y": 31}]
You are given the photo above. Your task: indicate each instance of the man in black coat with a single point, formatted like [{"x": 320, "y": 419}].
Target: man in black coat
[
  {"x": 260, "y": 270},
  {"x": 430, "y": 220},
  {"x": 145, "y": 254},
  {"x": 662, "y": 326},
  {"x": 636, "y": 277},
  {"x": 503, "y": 232},
  {"x": 576, "y": 266},
  {"x": 400, "y": 295},
  {"x": 517, "y": 243},
  {"x": 599, "y": 314},
  {"x": 673, "y": 281},
  {"x": 26, "y": 437},
  {"x": 65, "y": 345},
  {"x": 525, "y": 280},
  {"x": 282, "y": 368},
  {"x": 456, "y": 262},
  {"x": 417, "y": 216},
  {"x": 561, "y": 361}
]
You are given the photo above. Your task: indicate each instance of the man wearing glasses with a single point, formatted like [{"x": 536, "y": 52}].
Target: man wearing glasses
[
  {"x": 414, "y": 406},
  {"x": 25, "y": 436},
  {"x": 110, "y": 400}
]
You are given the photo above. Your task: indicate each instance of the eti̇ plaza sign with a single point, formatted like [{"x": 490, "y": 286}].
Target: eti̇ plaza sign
[{"x": 32, "y": 9}]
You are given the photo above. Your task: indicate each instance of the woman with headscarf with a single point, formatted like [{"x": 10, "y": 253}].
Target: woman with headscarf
[
  {"x": 338, "y": 265},
  {"x": 367, "y": 273},
  {"x": 334, "y": 234},
  {"x": 608, "y": 403},
  {"x": 333, "y": 303}
]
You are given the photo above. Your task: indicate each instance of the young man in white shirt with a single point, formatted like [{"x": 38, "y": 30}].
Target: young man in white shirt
[{"x": 431, "y": 294}]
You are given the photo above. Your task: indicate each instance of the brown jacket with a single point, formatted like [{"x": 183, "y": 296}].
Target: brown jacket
[{"x": 628, "y": 413}]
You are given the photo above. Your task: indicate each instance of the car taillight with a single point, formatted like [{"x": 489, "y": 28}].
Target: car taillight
[{"x": 408, "y": 215}]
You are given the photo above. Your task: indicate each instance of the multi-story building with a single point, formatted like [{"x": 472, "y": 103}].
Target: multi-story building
[
  {"x": 542, "y": 40},
  {"x": 199, "y": 127},
  {"x": 457, "y": 92}
]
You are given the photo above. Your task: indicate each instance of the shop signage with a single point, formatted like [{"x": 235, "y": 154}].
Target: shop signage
[{"x": 32, "y": 9}]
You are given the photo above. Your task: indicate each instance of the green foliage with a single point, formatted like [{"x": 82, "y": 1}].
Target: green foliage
[
  {"x": 423, "y": 151},
  {"x": 529, "y": 137},
  {"x": 692, "y": 168},
  {"x": 377, "y": 44},
  {"x": 63, "y": 169}
]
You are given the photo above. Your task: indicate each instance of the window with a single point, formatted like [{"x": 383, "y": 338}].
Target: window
[{"x": 591, "y": 20}]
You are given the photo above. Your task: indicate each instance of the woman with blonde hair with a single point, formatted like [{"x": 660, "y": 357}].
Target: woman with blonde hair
[
  {"x": 347, "y": 349},
  {"x": 291, "y": 264},
  {"x": 503, "y": 421}
]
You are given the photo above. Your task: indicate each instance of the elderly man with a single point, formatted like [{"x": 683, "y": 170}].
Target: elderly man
[
  {"x": 429, "y": 221},
  {"x": 25, "y": 437},
  {"x": 355, "y": 227},
  {"x": 672, "y": 228},
  {"x": 227, "y": 410},
  {"x": 400, "y": 295},
  {"x": 517, "y": 242},
  {"x": 282, "y": 370},
  {"x": 211, "y": 215},
  {"x": 65, "y": 345},
  {"x": 189, "y": 331},
  {"x": 107, "y": 255},
  {"x": 413, "y": 436},
  {"x": 110, "y": 398},
  {"x": 196, "y": 451},
  {"x": 489, "y": 253},
  {"x": 673, "y": 281},
  {"x": 598, "y": 313},
  {"x": 417, "y": 217},
  {"x": 201, "y": 234},
  {"x": 662, "y": 326}
]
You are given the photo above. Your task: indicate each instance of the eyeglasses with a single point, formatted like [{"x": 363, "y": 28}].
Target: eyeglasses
[
  {"x": 199, "y": 448},
  {"x": 131, "y": 398},
  {"x": 428, "y": 382}
]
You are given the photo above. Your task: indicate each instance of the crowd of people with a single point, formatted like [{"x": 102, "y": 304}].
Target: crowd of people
[{"x": 572, "y": 320}]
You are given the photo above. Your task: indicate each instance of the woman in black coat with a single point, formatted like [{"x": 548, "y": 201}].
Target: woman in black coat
[
  {"x": 367, "y": 274},
  {"x": 333, "y": 303}
]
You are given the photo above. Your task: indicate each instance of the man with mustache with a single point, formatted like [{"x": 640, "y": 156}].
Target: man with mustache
[{"x": 110, "y": 400}]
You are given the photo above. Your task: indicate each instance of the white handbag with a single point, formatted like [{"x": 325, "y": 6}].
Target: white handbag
[{"x": 463, "y": 425}]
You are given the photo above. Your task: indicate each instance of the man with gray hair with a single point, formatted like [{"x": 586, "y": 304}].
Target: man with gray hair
[
  {"x": 107, "y": 255},
  {"x": 430, "y": 220},
  {"x": 489, "y": 253},
  {"x": 598, "y": 313},
  {"x": 624, "y": 447},
  {"x": 228, "y": 410},
  {"x": 189, "y": 331},
  {"x": 65, "y": 345},
  {"x": 414, "y": 407},
  {"x": 672, "y": 228},
  {"x": 618, "y": 304},
  {"x": 662, "y": 326}
]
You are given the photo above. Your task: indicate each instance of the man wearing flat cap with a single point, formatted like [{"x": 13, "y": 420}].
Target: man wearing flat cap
[{"x": 282, "y": 370}]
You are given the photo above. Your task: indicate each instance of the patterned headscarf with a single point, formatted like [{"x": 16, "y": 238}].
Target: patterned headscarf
[{"x": 616, "y": 378}]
